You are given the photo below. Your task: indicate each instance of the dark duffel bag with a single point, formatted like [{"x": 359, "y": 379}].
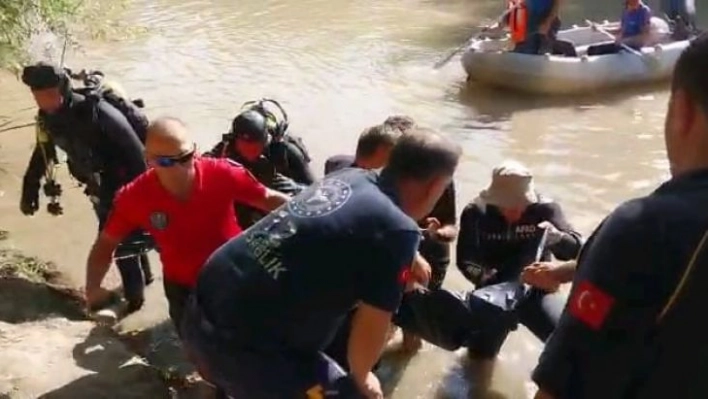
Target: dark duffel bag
[{"x": 479, "y": 320}]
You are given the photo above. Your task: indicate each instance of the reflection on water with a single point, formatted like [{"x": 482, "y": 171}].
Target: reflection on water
[{"x": 339, "y": 66}]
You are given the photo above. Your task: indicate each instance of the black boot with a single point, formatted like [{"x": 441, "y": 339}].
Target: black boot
[
  {"x": 147, "y": 270},
  {"x": 133, "y": 286}
]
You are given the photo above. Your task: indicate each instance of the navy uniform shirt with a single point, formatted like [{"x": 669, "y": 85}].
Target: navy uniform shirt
[
  {"x": 633, "y": 326},
  {"x": 288, "y": 281}
]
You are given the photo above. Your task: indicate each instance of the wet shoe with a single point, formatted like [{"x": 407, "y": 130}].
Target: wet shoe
[{"x": 106, "y": 317}]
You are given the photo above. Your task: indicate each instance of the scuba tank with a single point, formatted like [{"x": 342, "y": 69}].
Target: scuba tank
[
  {"x": 97, "y": 80},
  {"x": 95, "y": 86}
]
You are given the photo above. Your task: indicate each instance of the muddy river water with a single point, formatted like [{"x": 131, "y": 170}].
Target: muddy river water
[{"x": 338, "y": 66}]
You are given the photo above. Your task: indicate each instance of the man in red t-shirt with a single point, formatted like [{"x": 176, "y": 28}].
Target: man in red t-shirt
[{"x": 186, "y": 203}]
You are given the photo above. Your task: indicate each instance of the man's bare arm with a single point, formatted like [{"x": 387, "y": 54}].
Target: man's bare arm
[
  {"x": 565, "y": 271},
  {"x": 98, "y": 263},
  {"x": 368, "y": 338},
  {"x": 271, "y": 200}
]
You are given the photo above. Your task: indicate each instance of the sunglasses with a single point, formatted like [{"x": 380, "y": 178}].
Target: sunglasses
[{"x": 170, "y": 161}]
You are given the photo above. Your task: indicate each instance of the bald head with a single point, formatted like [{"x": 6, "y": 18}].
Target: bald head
[{"x": 167, "y": 136}]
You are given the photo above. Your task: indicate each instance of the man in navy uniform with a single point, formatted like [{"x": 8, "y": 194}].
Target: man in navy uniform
[
  {"x": 631, "y": 327},
  {"x": 269, "y": 301}
]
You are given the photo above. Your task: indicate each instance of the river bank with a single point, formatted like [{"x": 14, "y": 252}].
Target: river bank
[
  {"x": 147, "y": 334},
  {"x": 48, "y": 348}
]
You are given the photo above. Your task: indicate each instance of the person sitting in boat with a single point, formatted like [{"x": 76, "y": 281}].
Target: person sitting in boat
[
  {"x": 499, "y": 233},
  {"x": 635, "y": 30},
  {"x": 682, "y": 16},
  {"x": 533, "y": 24}
]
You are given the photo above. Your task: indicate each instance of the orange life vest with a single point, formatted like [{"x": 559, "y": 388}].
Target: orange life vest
[{"x": 518, "y": 20}]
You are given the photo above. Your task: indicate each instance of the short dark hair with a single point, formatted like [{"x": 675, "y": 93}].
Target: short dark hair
[
  {"x": 422, "y": 154},
  {"x": 372, "y": 138},
  {"x": 403, "y": 123},
  {"x": 691, "y": 71}
]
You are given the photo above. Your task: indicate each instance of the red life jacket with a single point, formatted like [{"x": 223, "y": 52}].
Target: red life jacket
[{"x": 518, "y": 20}]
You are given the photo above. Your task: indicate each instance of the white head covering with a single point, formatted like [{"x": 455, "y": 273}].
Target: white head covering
[{"x": 501, "y": 193}]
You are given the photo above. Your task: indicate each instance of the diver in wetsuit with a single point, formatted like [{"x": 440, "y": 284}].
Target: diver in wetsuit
[
  {"x": 103, "y": 151},
  {"x": 285, "y": 151},
  {"x": 246, "y": 143}
]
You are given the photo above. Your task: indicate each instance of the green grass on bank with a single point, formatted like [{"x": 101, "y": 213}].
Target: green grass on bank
[
  {"x": 21, "y": 19},
  {"x": 14, "y": 264},
  {"x": 70, "y": 20}
]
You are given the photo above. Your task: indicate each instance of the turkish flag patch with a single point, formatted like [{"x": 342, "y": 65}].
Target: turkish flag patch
[{"x": 590, "y": 305}]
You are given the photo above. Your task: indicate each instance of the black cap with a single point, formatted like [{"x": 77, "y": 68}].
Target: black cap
[
  {"x": 250, "y": 125},
  {"x": 43, "y": 76}
]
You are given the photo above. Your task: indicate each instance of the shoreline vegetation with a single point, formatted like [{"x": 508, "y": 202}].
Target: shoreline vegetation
[
  {"x": 37, "y": 303},
  {"x": 57, "y": 22}
]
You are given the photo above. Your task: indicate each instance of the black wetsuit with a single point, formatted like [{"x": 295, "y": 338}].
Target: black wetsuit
[
  {"x": 103, "y": 153},
  {"x": 291, "y": 159}
]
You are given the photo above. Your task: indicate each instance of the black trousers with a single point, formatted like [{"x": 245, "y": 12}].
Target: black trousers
[
  {"x": 604, "y": 48},
  {"x": 539, "y": 313},
  {"x": 337, "y": 349},
  {"x": 177, "y": 300},
  {"x": 450, "y": 320},
  {"x": 177, "y": 297}
]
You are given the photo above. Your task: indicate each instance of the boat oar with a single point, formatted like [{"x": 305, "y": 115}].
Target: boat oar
[{"x": 443, "y": 61}]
